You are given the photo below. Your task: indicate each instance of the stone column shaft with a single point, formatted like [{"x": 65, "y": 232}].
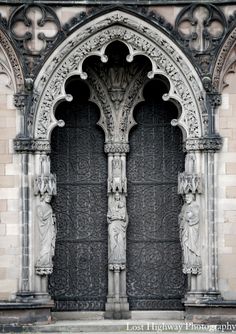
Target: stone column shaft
[{"x": 117, "y": 306}]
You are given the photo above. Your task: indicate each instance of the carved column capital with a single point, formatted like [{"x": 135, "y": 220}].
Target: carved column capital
[
  {"x": 28, "y": 145},
  {"x": 117, "y": 267},
  {"x": 203, "y": 144},
  {"x": 20, "y": 101},
  {"x": 215, "y": 99},
  {"x": 116, "y": 148}
]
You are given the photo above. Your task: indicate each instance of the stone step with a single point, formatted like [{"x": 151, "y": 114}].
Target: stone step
[{"x": 121, "y": 326}]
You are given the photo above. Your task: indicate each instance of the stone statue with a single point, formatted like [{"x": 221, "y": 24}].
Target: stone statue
[
  {"x": 116, "y": 174},
  {"x": 190, "y": 163},
  {"x": 117, "y": 219},
  {"x": 47, "y": 230},
  {"x": 189, "y": 235}
]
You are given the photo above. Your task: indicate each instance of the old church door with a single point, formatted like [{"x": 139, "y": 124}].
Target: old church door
[
  {"x": 154, "y": 275},
  {"x": 79, "y": 279}
]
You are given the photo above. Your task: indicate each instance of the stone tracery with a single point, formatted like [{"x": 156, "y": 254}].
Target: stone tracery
[{"x": 164, "y": 59}]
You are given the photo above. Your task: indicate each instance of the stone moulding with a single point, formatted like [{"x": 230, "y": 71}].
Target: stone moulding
[
  {"x": 116, "y": 148},
  {"x": 221, "y": 68},
  {"x": 13, "y": 63},
  {"x": 31, "y": 145},
  {"x": 203, "y": 144},
  {"x": 92, "y": 39}
]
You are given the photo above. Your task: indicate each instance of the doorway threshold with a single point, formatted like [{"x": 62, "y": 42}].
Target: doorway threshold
[{"x": 135, "y": 315}]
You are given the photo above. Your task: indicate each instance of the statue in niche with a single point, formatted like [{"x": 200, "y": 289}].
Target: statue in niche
[
  {"x": 116, "y": 174},
  {"x": 117, "y": 219},
  {"x": 47, "y": 230},
  {"x": 190, "y": 163},
  {"x": 117, "y": 74},
  {"x": 189, "y": 219}
]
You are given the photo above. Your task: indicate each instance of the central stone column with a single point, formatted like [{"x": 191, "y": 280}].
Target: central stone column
[{"x": 117, "y": 306}]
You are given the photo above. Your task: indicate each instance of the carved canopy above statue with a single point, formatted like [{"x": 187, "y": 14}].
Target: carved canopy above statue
[{"x": 141, "y": 38}]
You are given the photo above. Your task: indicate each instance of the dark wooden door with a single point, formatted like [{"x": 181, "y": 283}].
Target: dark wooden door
[
  {"x": 154, "y": 276},
  {"x": 79, "y": 279}
]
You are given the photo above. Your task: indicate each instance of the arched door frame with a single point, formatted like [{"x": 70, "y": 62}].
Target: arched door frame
[{"x": 186, "y": 90}]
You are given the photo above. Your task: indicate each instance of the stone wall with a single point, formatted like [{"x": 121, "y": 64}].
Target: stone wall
[
  {"x": 226, "y": 190},
  {"x": 9, "y": 194}
]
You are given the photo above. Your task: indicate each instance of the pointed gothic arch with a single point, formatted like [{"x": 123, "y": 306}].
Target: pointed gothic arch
[
  {"x": 141, "y": 39},
  {"x": 185, "y": 89}
]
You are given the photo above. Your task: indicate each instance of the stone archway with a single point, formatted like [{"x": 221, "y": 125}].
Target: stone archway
[{"x": 185, "y": 90}]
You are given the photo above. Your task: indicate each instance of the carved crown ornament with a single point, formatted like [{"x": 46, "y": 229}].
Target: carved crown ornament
[{"x": 92, "y": 39}]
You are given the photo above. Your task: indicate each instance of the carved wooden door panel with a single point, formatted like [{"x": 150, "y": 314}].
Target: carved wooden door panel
[
  {"x": 79, "y": 279},
  {"x": 154, "y": 274}
]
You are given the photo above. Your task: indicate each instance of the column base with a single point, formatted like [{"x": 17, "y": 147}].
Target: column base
[
  {"x": 219, "y": 313},
  {"x": 30, "y": 296},
  {"x": 28, "y": 308},
  {"x": 201, "y": 297},
  {"x": 117, "y": 309}
]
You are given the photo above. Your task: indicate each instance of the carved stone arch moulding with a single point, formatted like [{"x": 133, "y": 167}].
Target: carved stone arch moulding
[
  {"x": 226, "y": 62},
  {"x": 141, "y": 38},
  {"x": 9, "y": 64}
]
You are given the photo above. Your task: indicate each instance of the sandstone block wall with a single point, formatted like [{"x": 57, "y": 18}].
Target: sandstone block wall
[
  {"x": 9, "y": 195},
  {"x": 226, "y": 190}
]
